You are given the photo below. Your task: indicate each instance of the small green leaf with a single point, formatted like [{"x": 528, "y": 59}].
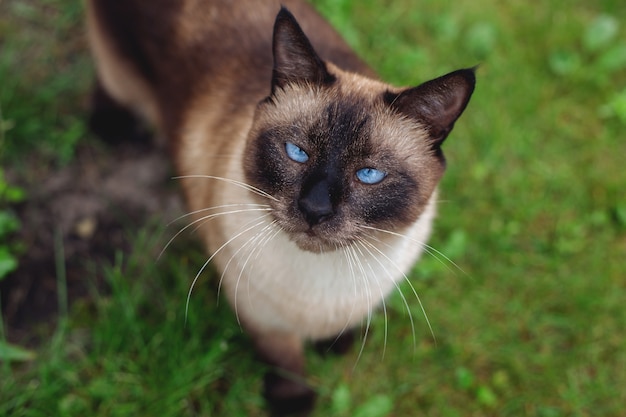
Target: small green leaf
[
  {"x": 564, "y": 62},
  {"x": 8, "y": 262},
  {"x": 486, "y": 396},
  {"x": 456, "y": 244},
  {"x": 500, "y": 379},
  {"x": 446, "y": 27},
  {"x": 620, "y": 215},
  {"x": 377, "y": 406},
  {"x": 73, "y": 404},
  {"x": 464, "y": 378},
  {"x": 612, "y": 60},
  {"x": 600, "y": 33},
  {"x": 8, "y": 223},
  {"x": 543, "y": 411},
  {"x": 616, "y": 107},
  {"x": 12, "y": 353},
  {"x": 481, "y": 39},
  {"x": 8, "y": 192},
  {"x": 341, "y": 400}
]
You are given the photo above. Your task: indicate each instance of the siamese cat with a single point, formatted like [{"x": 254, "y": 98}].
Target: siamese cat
[{"x": 312, "y": 182}]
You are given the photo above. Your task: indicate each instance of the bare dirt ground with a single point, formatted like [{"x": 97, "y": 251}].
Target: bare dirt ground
[{"x": 85, "y": 213}]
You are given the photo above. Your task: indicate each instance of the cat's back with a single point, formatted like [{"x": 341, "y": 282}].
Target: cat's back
[{"x": 174, "y": 50}]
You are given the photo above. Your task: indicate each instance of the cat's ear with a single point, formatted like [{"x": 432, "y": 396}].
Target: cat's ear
[
  {"x": 438, "y": 103},
  {"x": 295, "y": 60}
]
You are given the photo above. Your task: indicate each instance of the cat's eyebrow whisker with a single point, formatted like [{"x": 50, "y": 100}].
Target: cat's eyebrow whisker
[
  {"x": 241, "y": 184},
  {"x": 205, "y": 219},
  {"x": 435, "y": 253},
  {"x": 260, "y": 220}
]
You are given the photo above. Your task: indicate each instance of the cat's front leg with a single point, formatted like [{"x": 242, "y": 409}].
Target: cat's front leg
[{"x": 285, "y": 387}]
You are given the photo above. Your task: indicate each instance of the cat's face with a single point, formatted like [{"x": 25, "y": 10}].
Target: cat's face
[
  {"x": 341, "y": 154},
  {"x": 338, "y": 158}
]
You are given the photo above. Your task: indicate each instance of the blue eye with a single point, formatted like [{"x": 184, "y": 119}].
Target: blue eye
[
  {"x": 296, "y": 153},
  {"x": 370, "y": 175}
]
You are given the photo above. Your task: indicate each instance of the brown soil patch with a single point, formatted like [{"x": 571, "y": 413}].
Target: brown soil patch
[{"x": 92, "y": 206}]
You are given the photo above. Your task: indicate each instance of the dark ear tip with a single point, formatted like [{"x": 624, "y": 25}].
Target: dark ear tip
[
  {"x": 285, "y": 23},
  {"x": 468, "y": 75},
  {"x": 284, "y": 14},
  {"x": 295, "y": 60}
]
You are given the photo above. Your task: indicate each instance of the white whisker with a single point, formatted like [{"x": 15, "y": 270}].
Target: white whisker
[
  {"x": 368, "y": 294},
  {"x": 241, "y": 184},
  {"x": 191, "y": 213},
  {"x": 270, "y": 238},
  {"x": 427, "y": 248},
  {"x": 355, "y": 286},
  {"x": 263, "y": 233},
  {"x": 382, "y": 295},
  {"x": 367, "y": 245},
  {"x": 233, "y": 256},
  {"x": 236, "y": 253},
  {"x": 193, "y": 283},
  {"x": 205, "y": 219},
  {"x": 417, "y": 297}
]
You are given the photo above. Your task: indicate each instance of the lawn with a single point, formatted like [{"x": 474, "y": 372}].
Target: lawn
[{"x": 526, "y": 307}]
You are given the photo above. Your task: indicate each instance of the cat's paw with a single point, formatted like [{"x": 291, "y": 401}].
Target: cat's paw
[
  {"x": 288, "y": 396},
  {"x": 339, "y": 345}
]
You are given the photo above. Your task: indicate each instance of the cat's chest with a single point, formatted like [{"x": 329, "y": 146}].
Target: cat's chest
[{"x": 271, "y": 282}]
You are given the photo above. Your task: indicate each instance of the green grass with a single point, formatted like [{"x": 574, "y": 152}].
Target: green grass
[
  {"x": 44, "y": 74},
  {"x": 533, "y": 211}
]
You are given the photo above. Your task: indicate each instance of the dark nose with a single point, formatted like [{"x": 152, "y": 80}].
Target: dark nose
[{"x": 315, "y": 203}]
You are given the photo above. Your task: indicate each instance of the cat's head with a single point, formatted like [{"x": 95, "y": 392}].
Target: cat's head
[{"x": 339, "y": 151}]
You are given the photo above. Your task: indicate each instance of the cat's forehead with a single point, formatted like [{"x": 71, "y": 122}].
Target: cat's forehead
[{"x": 351, "y": 113}]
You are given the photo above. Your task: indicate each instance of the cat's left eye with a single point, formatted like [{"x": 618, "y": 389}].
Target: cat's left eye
[
  {"x": 370, "y": 175},
  {"x": 296, "y": 153}
]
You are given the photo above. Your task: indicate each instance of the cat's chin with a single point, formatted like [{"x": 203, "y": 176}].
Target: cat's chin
[{"x": 311, "y": 242}]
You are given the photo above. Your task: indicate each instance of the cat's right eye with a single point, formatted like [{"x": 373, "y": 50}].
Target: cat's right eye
[
  {"x": 296, "y": 153},
  {"x": 370, "y": 175}
]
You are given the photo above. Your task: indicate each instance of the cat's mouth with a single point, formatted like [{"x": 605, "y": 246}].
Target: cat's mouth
[
  {"x": 320, "y": 238},
  {"x": 312, "y": 241}
]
